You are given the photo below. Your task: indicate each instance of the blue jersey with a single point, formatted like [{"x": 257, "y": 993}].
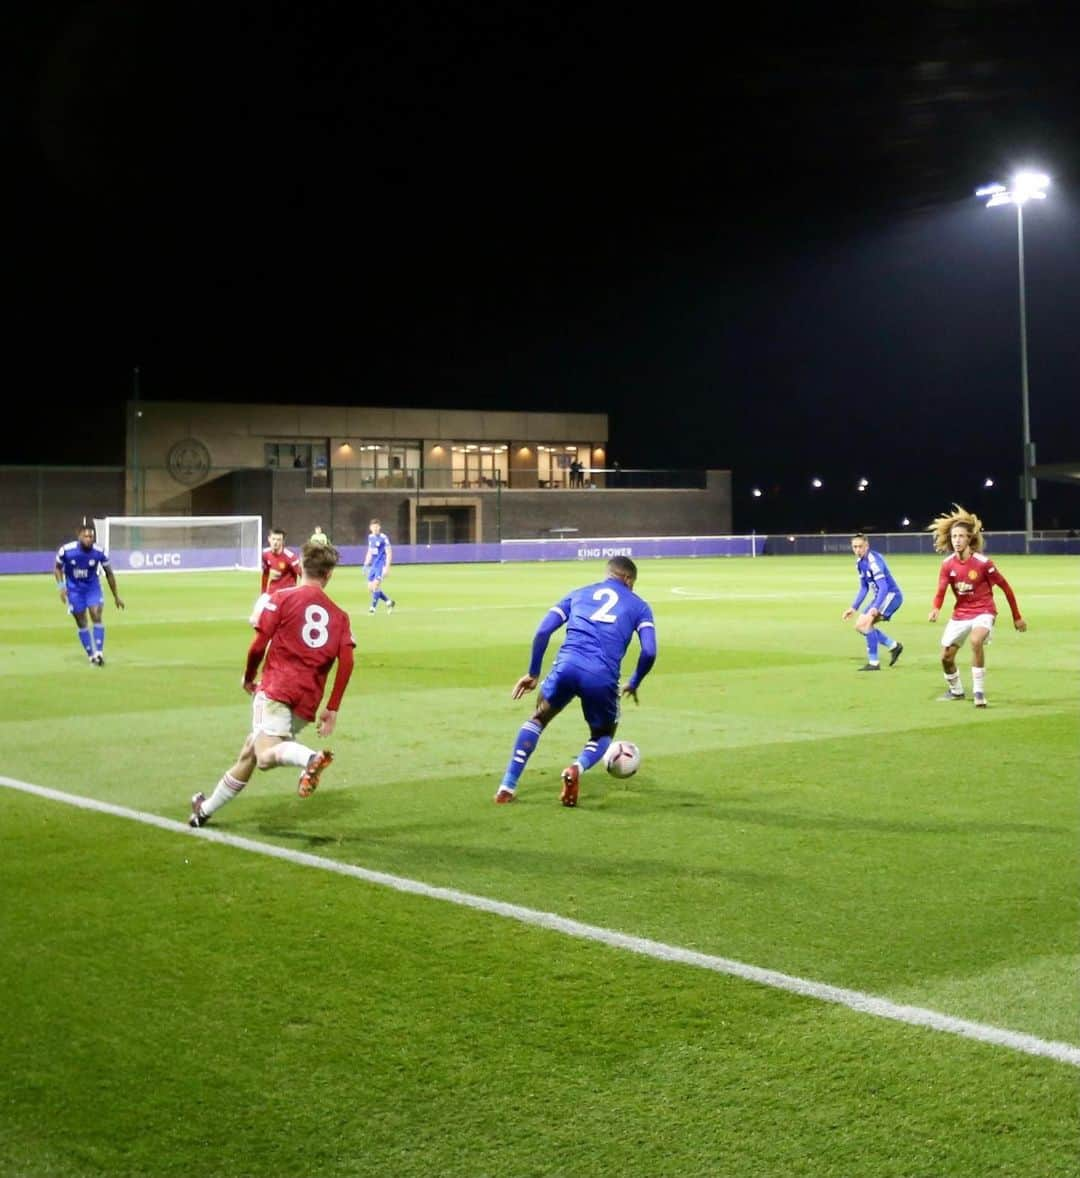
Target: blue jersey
[
  {"x": 81, "y": 566},
  {"x": 601, "y": 620},
  {"x": 874, "y": 577},
  {"x": 377, "y": 546}
]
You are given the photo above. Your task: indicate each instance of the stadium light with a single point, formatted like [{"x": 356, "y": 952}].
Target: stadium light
[
  {"x": 1025, "y": 186},
  {"x": 815, "y": 483},
  {"x": 756, "y": 492},
  {"x": 988, "y": 482}
]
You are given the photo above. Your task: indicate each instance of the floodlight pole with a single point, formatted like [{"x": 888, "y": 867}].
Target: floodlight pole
[
  {"x": 136, "y": 488},
  {"x": 1025, "y": 186},
  {"x": 1029, "y": 449}
]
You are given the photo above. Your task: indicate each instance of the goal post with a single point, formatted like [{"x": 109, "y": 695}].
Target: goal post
[{"x": 188, "y": 543}]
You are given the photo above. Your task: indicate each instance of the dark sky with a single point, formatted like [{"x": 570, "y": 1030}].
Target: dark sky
[{"x": 751, "y": 240}]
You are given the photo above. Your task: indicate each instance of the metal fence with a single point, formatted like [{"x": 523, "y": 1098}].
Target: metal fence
[
  {"x": 1058, "y": 543},
  {"x": 43, "y": 505}
]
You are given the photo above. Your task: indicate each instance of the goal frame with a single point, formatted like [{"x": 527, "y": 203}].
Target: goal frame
[{"x": 160, "y": 557}]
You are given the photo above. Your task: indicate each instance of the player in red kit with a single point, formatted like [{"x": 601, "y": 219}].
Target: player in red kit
[
  {"x": 972, "y": 578},
  {"x": 280, "y": 565},
  {"x": 301, "y": 633},
  {"x": 280, "y": 570}
]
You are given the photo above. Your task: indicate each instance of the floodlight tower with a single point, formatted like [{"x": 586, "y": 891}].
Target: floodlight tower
[{"x": 1025, "y": 186}]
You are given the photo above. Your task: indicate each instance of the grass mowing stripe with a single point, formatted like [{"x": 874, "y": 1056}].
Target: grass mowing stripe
[{"x": 853, "y": 999}]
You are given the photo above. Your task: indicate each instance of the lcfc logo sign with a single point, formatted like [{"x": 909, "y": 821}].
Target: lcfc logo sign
[{"x": 154, "y": 560}]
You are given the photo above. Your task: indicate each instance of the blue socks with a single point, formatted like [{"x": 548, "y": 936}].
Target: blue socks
[
  {"x": 592, "y": 752},
  {"x": 84, "y": 638},
  {"x": 872, "y": 638},
  {"x": 528, "y": 738}
]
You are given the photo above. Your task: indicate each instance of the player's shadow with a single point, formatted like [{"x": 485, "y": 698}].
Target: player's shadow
[{"x": 404, "y": 848}]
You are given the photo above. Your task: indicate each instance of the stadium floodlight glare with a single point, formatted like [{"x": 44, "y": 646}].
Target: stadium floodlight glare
[
  {"x": 756, "y": 492},
  {"x": 1025, "y": 186},
  {"x": 816, "y": 483},
  {"x": 988, "y": 482}
]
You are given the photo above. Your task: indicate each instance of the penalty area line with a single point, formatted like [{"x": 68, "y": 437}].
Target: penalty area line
[{"x": 868, "y": 1004}]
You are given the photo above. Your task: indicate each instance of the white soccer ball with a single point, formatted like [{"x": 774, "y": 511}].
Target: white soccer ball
[{"x": 622, "y": 758}]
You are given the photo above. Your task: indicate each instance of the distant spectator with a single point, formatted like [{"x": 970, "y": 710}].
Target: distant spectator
[{"x": 319, "y": 536}]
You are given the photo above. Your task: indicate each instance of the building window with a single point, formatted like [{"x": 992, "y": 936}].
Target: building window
[
  {"x": 554, "y": 463},
  {"x": 314, "y": 457},
  {"x": 387, "y": 464},
  {"x": 478, "y": 464}
]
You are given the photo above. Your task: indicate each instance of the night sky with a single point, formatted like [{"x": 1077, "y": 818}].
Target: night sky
[{"x": 755, "y": 246}]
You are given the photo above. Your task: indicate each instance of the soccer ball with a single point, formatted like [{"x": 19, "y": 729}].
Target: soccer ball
[{"x": 622, "y": 758}]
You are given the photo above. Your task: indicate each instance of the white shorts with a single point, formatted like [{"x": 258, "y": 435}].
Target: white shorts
[
  {"x": 274, "y": 719},
  {"x": 258, "y": 607},
  {"x": 957, "y": 630}
]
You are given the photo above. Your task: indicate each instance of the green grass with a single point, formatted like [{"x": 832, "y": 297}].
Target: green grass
[{"x": 177, "y": 1006}]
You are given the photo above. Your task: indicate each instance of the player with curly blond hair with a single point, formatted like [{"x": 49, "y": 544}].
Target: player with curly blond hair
[
  {"x": 943, "y": 525},
  {"x": 972, "y": 577}
]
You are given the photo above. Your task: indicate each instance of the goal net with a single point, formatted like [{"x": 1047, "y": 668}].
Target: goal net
[{"x": 161, "y": 544}]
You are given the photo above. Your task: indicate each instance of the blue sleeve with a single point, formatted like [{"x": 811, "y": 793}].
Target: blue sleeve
[
  {"x": 864, "y": 586},
  {"x": 552, "y": 620},
  {"x": 647, "y": 638}
]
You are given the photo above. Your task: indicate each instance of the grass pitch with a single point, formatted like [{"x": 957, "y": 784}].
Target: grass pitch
[{"x": 177, "y": 1006}]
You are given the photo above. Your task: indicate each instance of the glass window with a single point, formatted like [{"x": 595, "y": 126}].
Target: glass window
[
  {"x": 479, "y": 464},
  {"x": 388, "y": 464}
]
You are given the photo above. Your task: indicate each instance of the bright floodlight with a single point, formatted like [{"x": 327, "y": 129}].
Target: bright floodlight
[
  {"x": 815, "y": 482},
  {"x": 988, "y": 482},
  {"x": 756, "y": 492},
  {"x": 1025, "y": 186}
]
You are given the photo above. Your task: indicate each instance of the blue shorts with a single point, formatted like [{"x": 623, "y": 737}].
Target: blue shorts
[
  {"x": 891, "y": 603},
  {"x": 375, "y": 572},
  {"x": 81, "y": 597},
  {"x": 598, "y": 692}
]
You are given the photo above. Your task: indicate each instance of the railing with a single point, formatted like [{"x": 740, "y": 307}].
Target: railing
[
  {"x": 1060, "y": 542},
  {"x": 44, "y": 505}
]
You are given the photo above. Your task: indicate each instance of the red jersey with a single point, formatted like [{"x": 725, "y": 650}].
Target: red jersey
[
  {"x": 307, "y": 632},
  {"x": 286, "y": 563},
  {"x": 972, "y": 582}
]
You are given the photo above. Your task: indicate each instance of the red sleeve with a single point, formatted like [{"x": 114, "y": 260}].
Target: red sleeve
[
  {"x": 997, "y": 579},
  {"x": 255, "y": 653},
  {"x": 942, "y": 585},
  {"x": 346, "y": 662},
  {"x": 265, "y": 577}
]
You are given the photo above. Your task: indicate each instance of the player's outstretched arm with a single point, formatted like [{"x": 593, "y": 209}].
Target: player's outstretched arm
[{"x": 112, "y": 585}]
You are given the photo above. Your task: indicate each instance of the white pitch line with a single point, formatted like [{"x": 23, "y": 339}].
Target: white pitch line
[{"x": 916, "y": 1016}]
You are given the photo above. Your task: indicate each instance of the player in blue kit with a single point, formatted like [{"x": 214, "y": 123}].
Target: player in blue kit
[
  {"x": 78, "y": 570},
  {"x": 600, "y": 621},
  {"x": 874, "y": 576},
  {"x": 377, "y": 561}
]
